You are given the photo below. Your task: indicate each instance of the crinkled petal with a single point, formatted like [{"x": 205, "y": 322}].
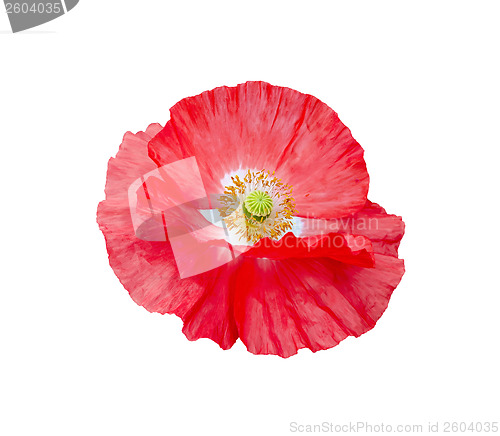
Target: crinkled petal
[
  {"x": 259, "y": 126},
  {"x": 130, "y": 163},
  {"x": 346, "y": 248},
  {"x": 148, "y": 269},
  {"x": 284, "y": 305},
  {"x": 385, "y": 231}
]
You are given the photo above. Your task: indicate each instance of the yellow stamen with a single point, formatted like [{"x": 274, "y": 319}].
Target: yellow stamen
[{"x": 273, "y": 221}]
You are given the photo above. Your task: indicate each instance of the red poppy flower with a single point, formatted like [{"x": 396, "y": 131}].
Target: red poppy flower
[{"x": 298, "y": 258}]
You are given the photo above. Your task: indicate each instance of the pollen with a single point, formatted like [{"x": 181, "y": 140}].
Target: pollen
[{"x": 258, "y": 206}]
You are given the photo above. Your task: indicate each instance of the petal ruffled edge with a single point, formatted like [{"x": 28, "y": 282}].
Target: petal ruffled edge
[
  {"x": 384, "y": 230},
  {"x": 283, "y": 306}
]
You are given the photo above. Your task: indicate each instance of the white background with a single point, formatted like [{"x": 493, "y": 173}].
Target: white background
[{"x": 417, "y": 83}]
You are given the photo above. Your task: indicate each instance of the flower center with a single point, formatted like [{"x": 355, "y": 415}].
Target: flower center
[{"x": 258, "y": 206}]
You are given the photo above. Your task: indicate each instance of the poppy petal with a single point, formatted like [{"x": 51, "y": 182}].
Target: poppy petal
[
  {"x": 259, "y": 126},
  {"x": 284, "y": 305},
  {"x": 212, "y": 316},
  {"x": 148, "y": 269},
  {"x": 384, "y": 230},
  {"x": 346, "y": 248},
  {"x": 130, "y": 163}
]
